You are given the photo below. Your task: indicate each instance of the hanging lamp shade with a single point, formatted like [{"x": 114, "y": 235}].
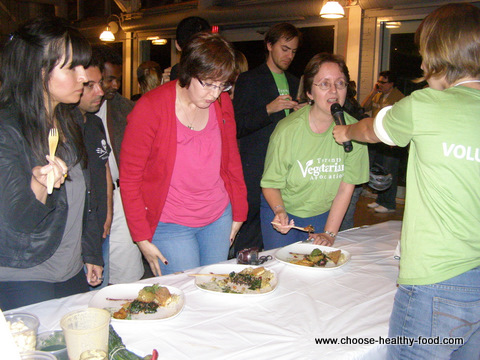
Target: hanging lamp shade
[
  {"x": 107, "y": 35},
  {"x": 332, "y": 10}
]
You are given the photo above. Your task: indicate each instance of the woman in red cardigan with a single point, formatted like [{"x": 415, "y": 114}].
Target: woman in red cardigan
[{"x": 182, "y": 182}]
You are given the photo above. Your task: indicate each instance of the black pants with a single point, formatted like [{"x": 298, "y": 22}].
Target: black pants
[{"x": 14, "y": 294}]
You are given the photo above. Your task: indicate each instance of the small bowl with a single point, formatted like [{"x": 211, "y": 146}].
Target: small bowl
[
  {"x": 24, "y": 328},
  {"x": 53, "y": 342},
  {"x": 37, "y": 355}
]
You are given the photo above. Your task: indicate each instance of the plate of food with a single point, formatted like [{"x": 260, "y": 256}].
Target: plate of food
[
  {"x": 310, "y": 256},
  {"x": 138, "y": 302},
  {"x": 236, "y": 280}
]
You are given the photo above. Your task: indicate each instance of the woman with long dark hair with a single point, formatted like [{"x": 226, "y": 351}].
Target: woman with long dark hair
[{"x": 44, "y": 236}]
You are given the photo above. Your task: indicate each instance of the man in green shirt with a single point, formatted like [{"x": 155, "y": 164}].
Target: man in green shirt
[{"x": 263, "y": 96}]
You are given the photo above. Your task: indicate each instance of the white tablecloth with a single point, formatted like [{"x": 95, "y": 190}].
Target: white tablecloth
[{"x": 354, "y": 300}]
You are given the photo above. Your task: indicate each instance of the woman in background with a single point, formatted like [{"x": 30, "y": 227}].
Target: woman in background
[
  {"x": 44, "y": 237},
  {"x": 438, "y": 296},
  {"x": 241, "y": 65},
  {"x": 182, "y": 180},
  {"x": 308, "y": 178},
  {"x": 149, "y": 74}
]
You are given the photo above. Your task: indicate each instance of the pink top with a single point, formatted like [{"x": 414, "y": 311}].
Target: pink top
[{"x": 197, "y": 194}]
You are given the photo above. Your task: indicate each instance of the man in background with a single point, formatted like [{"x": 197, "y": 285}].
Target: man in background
[
  {"x": 125, "y": 258},
  {"x": 98, "y": 151},
  {"x": 185, "y": 30},
  {"x": 263, "y": 96},
  {"x": 384, "y": 94}
]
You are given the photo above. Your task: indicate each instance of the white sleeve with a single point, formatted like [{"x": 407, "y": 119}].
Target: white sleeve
[{"x": 379, "y": 129}]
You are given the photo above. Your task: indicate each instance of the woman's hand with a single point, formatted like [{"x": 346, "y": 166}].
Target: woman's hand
[
  {"x": 340, "y": 133},
  {"x": 94, "y": 274},
  {"x": 38, "y": 183},
  {"x": 152, "y": 255},
  {"x": 322, "y": 239},
  {"x": 281, "y": 218},
  {"x": 58, "y": 167},
  {"x": 236, "y": 225}
]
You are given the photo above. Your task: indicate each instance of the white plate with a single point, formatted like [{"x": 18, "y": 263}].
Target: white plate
[
  {"x": 284, "y": 254},
  {"x": 227, "y": 269},
  {"x": 130, "y": 291}
]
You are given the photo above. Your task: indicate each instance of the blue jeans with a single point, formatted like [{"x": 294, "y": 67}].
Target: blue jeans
[
  {"x": 273, "y": 239},
  {"x": 187, "y": 247},
  {"x": 106, "y": 264},
  {"x": 348, "y": 219},
  {"x": 448, "y": 309}
]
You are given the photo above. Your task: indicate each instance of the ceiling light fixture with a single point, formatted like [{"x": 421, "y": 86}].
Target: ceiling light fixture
[
  {"x": 393, "y": 24},
  {"x": 332, "y": 10},
  {"x": 159, "y": 41},
  {"x": 112, "y": 28}
]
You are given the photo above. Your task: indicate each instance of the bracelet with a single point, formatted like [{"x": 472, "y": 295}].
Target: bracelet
[
  {"x": 332, "y": 235},
  {"x": 279, "y": 206}
]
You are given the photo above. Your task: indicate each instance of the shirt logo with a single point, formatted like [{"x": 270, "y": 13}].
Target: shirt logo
[
  {"x": 324, "y": 169},
  {"x": 103, "y": 152},
  {"x": 461, "y": 152}
]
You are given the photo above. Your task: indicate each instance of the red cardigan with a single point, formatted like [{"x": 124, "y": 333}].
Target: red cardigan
[{"x": 148, "y": 156}]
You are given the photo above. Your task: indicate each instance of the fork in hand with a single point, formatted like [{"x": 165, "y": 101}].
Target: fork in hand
[
  {"x": 309, "y": 228},
  {"x": 52, "y": 145}
]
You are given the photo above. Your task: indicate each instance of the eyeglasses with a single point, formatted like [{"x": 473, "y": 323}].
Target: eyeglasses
[
  {"x": 222, "y": 88},
  {"x": 326, "y": 85}
]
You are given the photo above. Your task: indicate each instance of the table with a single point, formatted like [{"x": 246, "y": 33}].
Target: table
[{"x": 354, "y": 300}]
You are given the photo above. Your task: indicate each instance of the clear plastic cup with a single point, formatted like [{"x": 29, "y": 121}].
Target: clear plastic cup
[
  {"x": 53, "y": 342},
  {"x": 38, "y": 355},
  {"x": 86, "y": 331},
  {"x": 24, "y": 329}
]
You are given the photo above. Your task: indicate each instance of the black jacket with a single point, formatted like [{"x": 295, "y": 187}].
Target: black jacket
[
  {"x": 30, "y": 232},
  {"x": 254, "y": 89}
]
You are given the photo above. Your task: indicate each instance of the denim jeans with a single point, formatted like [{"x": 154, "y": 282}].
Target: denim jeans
[
  {"x": 448, "y": 309},
  {"x": 187, "y": 247},
  {"x": 273, "y": 239},
  {"x": 348, "y": 219},
  {"x": 106, "y": 264}
]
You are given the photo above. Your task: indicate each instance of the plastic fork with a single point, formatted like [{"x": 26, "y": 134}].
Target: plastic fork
[
  {"x": 309, "y": 228},
  {"x": 52, "y": 145}
]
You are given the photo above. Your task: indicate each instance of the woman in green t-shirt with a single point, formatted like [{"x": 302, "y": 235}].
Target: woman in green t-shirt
[
  {"x": 437, "y": 302},
  {"x": 309, "y": 178}
]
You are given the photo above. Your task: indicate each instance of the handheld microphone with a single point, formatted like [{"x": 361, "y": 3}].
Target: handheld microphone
[{"x": 337, "y": 113}]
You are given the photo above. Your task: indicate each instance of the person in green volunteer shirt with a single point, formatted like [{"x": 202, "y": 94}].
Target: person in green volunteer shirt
[
  {"x": 308, "y": 177},
  {"x": 438, "y": 296}
]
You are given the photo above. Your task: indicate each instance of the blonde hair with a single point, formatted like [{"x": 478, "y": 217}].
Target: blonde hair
[
  {"x": 449, "y": 42},
  {"x": 149, "y": 75},
  {"x": 241, "y": 63}
]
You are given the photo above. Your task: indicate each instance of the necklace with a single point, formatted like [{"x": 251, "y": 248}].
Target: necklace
[
  {"x": 467, "y": 81},
  {"x": 187, "y": 117}
]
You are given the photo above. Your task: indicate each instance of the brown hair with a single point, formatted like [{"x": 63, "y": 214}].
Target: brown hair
[
  {"x": 281, "y": 30},
  {"x": 449, "y": 42},
  {"x": 314, "y": 65},
  {"x": 207, "y": 56}
]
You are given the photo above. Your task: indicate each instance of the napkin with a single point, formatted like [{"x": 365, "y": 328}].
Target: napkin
[{"x": 7, "y": 344}]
